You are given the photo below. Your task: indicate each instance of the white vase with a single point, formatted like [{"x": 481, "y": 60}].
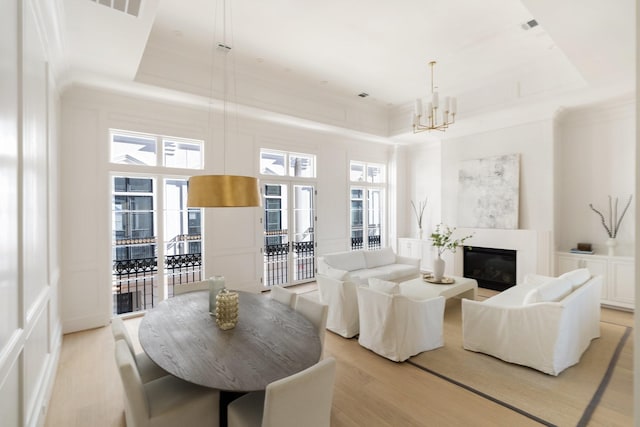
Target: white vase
[
  {"x": 438, "y": 268},
  {"x": 216, "y": 284},
  {"x": 611, "y": 246},
  {"x": 420, "y": 233}
]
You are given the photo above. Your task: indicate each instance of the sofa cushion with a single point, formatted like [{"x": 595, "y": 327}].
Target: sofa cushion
[
  {"x": 554, "y": 290},
  {"x": 336, "y": 273},
  {"x": 396, "y": 271},
  {"x": 384, "y": 286},
  {"x": 531, "y": 297},
  {"x": 577, "y": 277},
  {"x": 350, "y": 260},
  {"x": 379, "y": 257},
  {"x": 536, "y": 279}
]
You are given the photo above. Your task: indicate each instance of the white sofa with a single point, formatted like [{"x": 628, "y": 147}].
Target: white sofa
[
  {"x": 339, "y": 275},
  {"x": 545, "y": 323}
]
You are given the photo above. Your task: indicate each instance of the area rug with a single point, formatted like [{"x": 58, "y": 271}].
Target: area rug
[{"x": 565, "y": 400}]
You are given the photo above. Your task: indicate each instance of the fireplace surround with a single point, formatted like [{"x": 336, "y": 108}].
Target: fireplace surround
[{"x": 492, "y": 268}]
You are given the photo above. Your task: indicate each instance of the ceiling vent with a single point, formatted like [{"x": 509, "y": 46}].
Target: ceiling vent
[
  {"x": 130, "y": 7},
  {"x": 530, "y": 24}
]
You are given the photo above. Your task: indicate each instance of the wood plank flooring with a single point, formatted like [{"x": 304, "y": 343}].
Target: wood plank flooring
[{"x": 369, "y": 391}]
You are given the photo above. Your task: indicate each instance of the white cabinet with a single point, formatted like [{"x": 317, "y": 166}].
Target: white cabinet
[
  {"x": 416, "y": 248},
  {"x": 617, "y": 273}
]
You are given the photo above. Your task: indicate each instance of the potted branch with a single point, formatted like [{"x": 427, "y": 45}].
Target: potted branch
[
  {"x": 612, "y": 223},
  {"x": 442, "y": 239},
  {"x": 419, "y": 212}
]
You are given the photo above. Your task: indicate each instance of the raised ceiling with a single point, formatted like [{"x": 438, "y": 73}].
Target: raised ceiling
[{"x": 581, "y": 50}]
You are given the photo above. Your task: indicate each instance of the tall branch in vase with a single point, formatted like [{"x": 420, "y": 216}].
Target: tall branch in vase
[
  {"x": 419, "y": 212},
  {"x": 612, "y": 223}
]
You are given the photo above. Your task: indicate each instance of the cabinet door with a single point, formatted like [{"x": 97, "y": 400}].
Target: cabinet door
[
  {"x": 621, "y": 283},
  {"x": 567, "y": 263}
]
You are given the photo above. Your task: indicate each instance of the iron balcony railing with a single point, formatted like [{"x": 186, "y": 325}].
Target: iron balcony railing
[
  {"x": 276, "y": 257},
  {"x": 135, "y": 280},
  {"x": 373, "y": 242}
]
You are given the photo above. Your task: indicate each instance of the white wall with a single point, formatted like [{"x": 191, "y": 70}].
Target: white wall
[
  {"x": 30, "y": 328},
  {"x": 233, "y": 237},
  {"x": 534, "y": 143},
  {"x": 596, "y": 158}
]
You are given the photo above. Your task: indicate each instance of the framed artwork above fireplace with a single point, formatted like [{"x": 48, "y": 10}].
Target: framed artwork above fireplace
[{"x": 489, "y": 192}]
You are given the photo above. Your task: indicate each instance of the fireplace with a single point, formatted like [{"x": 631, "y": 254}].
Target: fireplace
[{"x": 492, "y": 268}]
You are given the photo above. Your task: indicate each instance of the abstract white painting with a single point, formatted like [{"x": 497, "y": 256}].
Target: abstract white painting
[{"x": 488, "y": 192}]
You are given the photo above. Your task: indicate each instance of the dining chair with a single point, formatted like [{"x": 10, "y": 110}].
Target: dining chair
[
  {"x": 182, "y": 288},
  {"x": 166, "y": 401},
  {"x": 315, "y": 312},
  {"x": 148, "y": 369},
  {"x": 283, "y": 295},
  {"x": 302, "y": 399}
]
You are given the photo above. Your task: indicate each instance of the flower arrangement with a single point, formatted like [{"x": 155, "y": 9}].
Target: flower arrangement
[
  {"x": 613, "y": 224},
  {"x": 421, "y": 206},
  {"x": 441, "y": 239}
]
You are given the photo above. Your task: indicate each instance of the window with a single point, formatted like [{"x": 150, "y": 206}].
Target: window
[
  {"x": 139, "y": 149},
  {"x": 150, "y": 219},
  {"x": 288, "y": 191},
  {"x": 367, "y": 204},
  {"x": 280, "y": 163}
]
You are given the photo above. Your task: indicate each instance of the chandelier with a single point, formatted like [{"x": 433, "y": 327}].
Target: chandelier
[{"x": 435, "y": 116}]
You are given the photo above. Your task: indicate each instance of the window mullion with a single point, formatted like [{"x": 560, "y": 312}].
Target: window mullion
[{"x": 160, "y": 227}]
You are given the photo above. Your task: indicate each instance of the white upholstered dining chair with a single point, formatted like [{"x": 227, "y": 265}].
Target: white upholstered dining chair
[
  {"x": 302, "y": 399},
  {"x": 283, "y": 295},
  {"x": 166, "y": 401},
  {"x": 398, "y": 327},
  {"x": 146, "y": 367},
  {"x": 315, "y": 312},
  {"x": 182, "y": 288}
]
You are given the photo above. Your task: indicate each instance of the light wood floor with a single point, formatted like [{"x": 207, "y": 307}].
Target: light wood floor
[{"x": 369, "y": 391}]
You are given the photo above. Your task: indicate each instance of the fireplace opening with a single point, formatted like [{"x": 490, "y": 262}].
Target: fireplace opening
[{"x": 492, "y": 268}]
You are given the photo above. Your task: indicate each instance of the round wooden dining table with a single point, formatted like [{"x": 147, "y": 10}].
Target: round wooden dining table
[{"x": 271, "y": 341}]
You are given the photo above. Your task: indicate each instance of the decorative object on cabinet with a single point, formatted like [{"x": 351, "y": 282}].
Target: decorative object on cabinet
[
  {"x": 442, "y": 239},
  {"x": 489, "y": 191},
  {"x": 612, "y": 223},
  {"x": 584, "y": 246},
  {"x": 420, "y": 208}
]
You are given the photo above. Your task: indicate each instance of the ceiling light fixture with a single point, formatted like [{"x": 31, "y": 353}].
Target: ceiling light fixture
[
  {"x": 427, "y": 119},
  {"x": 222, "y": 191}
]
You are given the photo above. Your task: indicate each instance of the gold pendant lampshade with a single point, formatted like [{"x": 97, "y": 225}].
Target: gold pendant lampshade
[{"x": 223, "y": 191}]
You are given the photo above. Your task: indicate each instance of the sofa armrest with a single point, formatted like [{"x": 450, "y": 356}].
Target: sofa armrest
[
  {"x": 342, "y": 299},
  {"x": 401, "y": 259}
]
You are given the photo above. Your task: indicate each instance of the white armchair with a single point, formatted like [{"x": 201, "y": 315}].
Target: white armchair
[
  {"x": 342, "y": 299},
  {"x": 398, "y": 327}
]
